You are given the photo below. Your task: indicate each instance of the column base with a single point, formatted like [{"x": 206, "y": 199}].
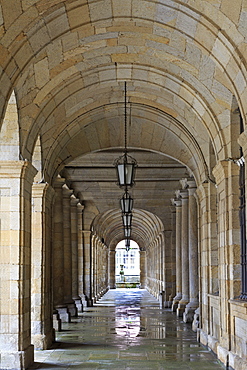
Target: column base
[
  {"x": 64, "y": 314},
  {"x": 181, "y": 308},
  {"x": 72, "y": 309},
  {"x": 56, "y": 321},
  {"x": 176, "y": 301},
  {"x": 43, "y": 341},
  {"x": 196, "y": 320},
  {"x": 17, "y": 360},
  {"x": 89, "y": 302},
  {"x": 174, "y": 306},
  {"x": 78, "y": 303},
  {"x": 83, "y": 300},
  {"x": 188, "y": 314}
]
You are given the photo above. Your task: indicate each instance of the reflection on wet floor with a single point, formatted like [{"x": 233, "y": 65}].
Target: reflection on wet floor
[{"x": 126, "y": 330}]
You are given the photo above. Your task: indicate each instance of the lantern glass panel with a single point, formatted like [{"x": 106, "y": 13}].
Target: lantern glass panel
[
  {"x": 127, "y": 232},
  {"x": 126, "y": 203},
  {"x": 121, "y": 177},
  {"x": 127, "y": 218},
  {"x": 129, "y": 168},
  {"x": 127, "y": 242}
]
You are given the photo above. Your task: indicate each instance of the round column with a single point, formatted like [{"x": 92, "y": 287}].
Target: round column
[
  {"x": 67, "y": 251},
  {"x": 74, "y": 249},
  {"x": 81, "y": 293},
  {"x": 143, "y": 272},
  {"x": 41, "y": 295},
  {"x": 185, "y": 254},
  {"x": 112, "y": 262},
  {"x": 58, "y": 255},
  {"x": 193, "y": 255},
  {"x": 178, "y": 204}
]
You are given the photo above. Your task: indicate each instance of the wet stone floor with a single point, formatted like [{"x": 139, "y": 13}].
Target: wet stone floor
[{"x": 126, "y": 330}]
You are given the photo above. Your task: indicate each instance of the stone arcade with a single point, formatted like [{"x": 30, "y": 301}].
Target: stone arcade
[{"x": 63, "y": 65}]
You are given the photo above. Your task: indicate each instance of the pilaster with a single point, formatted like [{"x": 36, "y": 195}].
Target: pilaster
[
  {"x": 227, "y": 175},
  {"x": 41, "y": 297},
  {"x": 16, "y": 179}
]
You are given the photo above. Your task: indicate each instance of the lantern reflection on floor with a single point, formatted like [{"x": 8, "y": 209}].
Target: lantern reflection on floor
[{"x": 126, "y": 330}]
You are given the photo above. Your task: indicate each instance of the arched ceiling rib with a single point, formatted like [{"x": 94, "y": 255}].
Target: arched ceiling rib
[
  {"x": 67, "y": 61},
  {"x": 150, "y": 129},
  {"x": 146, "y": 227},
  {"x": 160, "y": 44},
  {"x": 166, "y": 95}
]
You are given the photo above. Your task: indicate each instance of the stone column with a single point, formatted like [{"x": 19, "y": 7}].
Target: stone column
[
  {"x": 185, "y": 254},
  {"x": 178, "y": 203},
  {"x": 143, "y": 270},
  {"x": 41, "y": 299},
  {"x": 81, "y": 292},
  {"x": 58, "y": 255},
  {"x": 16, "y": 179},
  {"x": 94, "y": 268},
  {"x": 74, "y": 249},
  {"x": 112, "y": 267},
  {"x": 87, "y": 266},
  {"x": 67, "y": 251},
  {"x": 193, "y": 255}
]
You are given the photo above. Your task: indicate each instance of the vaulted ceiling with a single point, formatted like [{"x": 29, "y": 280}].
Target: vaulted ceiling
[{"x": 67, "y": 61}]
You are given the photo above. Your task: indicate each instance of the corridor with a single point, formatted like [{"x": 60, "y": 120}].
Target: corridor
[{"x": 126, "y": 330}]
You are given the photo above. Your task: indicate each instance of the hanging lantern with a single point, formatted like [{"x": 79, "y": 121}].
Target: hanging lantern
[
  {"x": 127, "y": 218},
  {"x": 127, "y": 244},
  {"x": 126, "y": 167},
  {"x": 126, "y": 203},
  {"x": 127, "y": 232}
]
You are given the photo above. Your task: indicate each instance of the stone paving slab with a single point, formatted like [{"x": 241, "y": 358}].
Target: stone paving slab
[{"x": 126, "y": 330}]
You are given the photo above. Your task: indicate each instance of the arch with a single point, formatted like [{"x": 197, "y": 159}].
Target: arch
[{"x": 145, "y": 227}]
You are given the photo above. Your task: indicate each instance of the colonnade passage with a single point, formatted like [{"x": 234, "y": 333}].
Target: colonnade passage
[
  {"x": 126, "y": 330},
  {"x": 86, "y": 85}
]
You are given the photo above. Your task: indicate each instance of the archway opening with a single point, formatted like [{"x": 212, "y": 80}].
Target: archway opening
[{"x": 127, "y": 265}]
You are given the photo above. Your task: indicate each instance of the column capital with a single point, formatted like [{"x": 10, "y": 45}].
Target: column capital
[
  {"x": 184, "y": 183},
  {"x": 17, "y": 169},
  {"x": 86, "y": 232},
  {"x": 184, "y": 194},
  {"x": 80, "y": 207},
  {"x": 191, "y": 187},
  {"x": 43, "y": 189},
  {"x": 74, "y": 201},
  {"x": 58, "y": 182},
  {"x": 177, "y": 194},
  {"x": 67, "y": 192},
  {"x": 176, "y": 202},
  {"x": 191, "y": 184}
]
